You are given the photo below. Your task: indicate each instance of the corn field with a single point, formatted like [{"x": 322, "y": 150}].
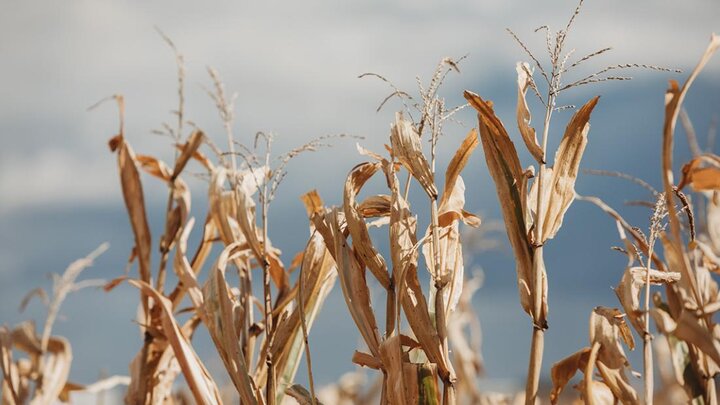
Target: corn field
[{"x": 406, "y": 289}]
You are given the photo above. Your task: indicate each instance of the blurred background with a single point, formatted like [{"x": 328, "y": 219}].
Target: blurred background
[{"x": 295, "y": 68}]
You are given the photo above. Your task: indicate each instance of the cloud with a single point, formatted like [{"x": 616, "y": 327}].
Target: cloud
[{"x": 294, "y": 66}]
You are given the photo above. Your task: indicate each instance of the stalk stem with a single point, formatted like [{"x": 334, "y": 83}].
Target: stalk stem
[
  {"x": 647, "y": 337},
  {"x": 538, "y": 338},
  {"x": 267, "y": 294}
]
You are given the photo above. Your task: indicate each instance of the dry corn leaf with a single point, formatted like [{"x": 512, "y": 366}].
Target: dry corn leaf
[
  {"x": 187, "y": 151},
  {"x": 607, "y": 328},
  {"x": 301, "y": 395},
  {"x": 510, "y": 183},
  {"x": 689, "y": 329},
  {"x": 199, "y": 380},
  {"x": 458, "y": 162},
  {"x": 366, "y": 360},
  {"x": 165, "y": 370},
  {"x": 245, "y": 217},
  {"x": 25, "y": 338},
  {"x": 391, "y": 356},
  {"x": 559, "y": 181},
  {"x": 375, "y": 206},
  {"x": 223, "y": 207},
  {"x": 319, "y": 274},
  {"x": 600, "y": 393},
  {"x": 630, "y": 286},
  {"x": 12, "y": 391},
  {"x": 418, "y": 316},
  {"x": 55, "y": 370},
  {"x": 184, "y": 270},
  {"x": 217, "y": 313},
  {"x": 361, "y": 242},
  {"x": 312, "y": 202},
  {"x": 154, "y": 167},
  {"x": 177, "y": 216},
  {"x": 700, "y": 178},
  {"x": 352, "y": 278},
  {"x": 135, "y": 203},
  {"x": 366, "y": 152},
  {"x": 450, "y": 246},
  {"x": 451, "y": 256},
  {"x": 403, "y": 241},
  {"x": 407, "y": 149},
  {"x": 564, "y": 370},
  {"x": 618, "y": 383},
  {"x": 524, "y": 79},
  {"x": 187, "y": 271},
  {"x": 657, "y": 277},
  {"x": 453, "y": 197}
]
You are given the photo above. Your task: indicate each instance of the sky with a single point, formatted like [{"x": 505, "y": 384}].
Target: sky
[{"x": 295, "y": 67}]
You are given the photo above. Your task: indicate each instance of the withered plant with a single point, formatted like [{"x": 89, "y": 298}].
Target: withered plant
[
  {"x": 685, "y": 316},
  {"x": 533, "y": 213}
]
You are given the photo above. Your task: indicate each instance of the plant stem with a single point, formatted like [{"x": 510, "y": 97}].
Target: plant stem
[
  {"x": 439, "y": 279},
  {"x": 538, "y": 338},
  {"x": 647, "y": 337},
  {"x": 535, "y": 364},
  {"x": 269, "y": 327}
]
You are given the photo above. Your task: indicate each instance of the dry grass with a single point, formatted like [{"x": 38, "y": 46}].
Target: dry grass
[{"x": 428, "y": 350}]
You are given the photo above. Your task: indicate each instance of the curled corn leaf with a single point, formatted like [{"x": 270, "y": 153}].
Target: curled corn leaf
[
  {"x": 362, "y": 244},
  {"x": 524, "y": 72},
  {"x": 135, "y": 203},
  {"x": 407, "y": 149},
  {"x": 511, "y": 188},
  {"x": 201, "y": 384},
  {"x": 403, "y": 242},
  {"x": 559, "y": 181}
]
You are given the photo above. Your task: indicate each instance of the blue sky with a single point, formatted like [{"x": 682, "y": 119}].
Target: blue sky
[{"x": 295, "y": 69}]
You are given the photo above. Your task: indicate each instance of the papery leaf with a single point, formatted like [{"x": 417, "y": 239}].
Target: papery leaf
[
  {"x": 319, "y": 275},
  {"x": 361, "y": 242},
  {"x": 564, "y": 370},
  {"x": 375, "y": 206},
  {"x": 407, "y": 149},
  {"x": 403, "y": 241},
  {"x": 199, "y": 380},
  {"x": 523, "y": 113},
  {"x": 313, "y": 203},
  {"x": 135, "y": 203},
  {"x": 689, "y": 329},
  {"x": 55, "y": 371},
  {"x": 301, "y": 395},
  {"x": 352, "y": 277},
  {"x": 453, "y": 198},
  {"x": 559, "y": 181},
  {"x": 510, "y": 184},
  {"x": 187, "y": 151},
  {"x": 391, "y": 356}
]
